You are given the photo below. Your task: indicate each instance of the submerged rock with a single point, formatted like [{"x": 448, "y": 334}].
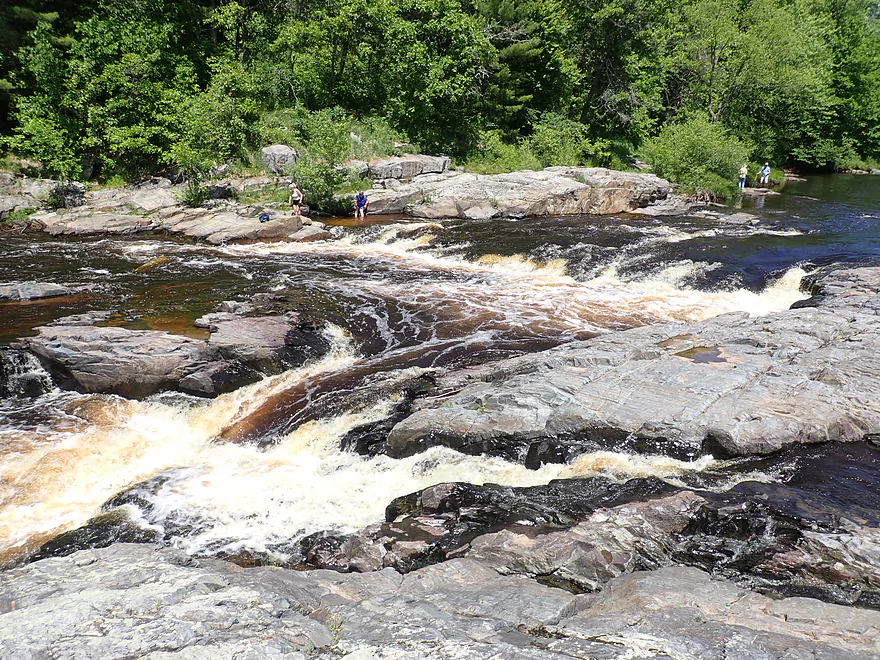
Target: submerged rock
[
  {"x": 137, "y": 600},
  {"x": 731, "y": 385}
]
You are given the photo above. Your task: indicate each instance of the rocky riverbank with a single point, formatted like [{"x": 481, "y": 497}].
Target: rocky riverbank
[
  {"x": 730, "y": 385},
  {"x": 142, "y": 601},
  {"x": 155, "y": 206},
  {"x": 418, "y": 186}
]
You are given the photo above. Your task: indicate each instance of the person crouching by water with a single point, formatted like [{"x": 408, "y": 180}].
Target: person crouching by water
[
  {"x": 743, "y": 173},
  {"x": 360, "y": 204},
  {"x": 295, "y": 199}
]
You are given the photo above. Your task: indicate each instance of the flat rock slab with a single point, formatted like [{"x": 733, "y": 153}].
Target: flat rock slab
[
  {"x": 408, "y": 166},
  {"x": 552, "y": 191},
  {"x": 33, "y": 291},
  {"x": 143, "y": 601},
  {"x": 683, "y": 613},
  {"x": 136, "y": 363},
  {"x": 730, "y": 385},
  {"x": 213, "y": 226}
]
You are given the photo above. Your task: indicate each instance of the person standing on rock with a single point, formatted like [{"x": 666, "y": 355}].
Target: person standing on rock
[
  {"x": 360, "y": 204},
  {"x": 765, "y": 174},
  {"x": 295, "y": 199},
  {"x": 743, "y": 173}
]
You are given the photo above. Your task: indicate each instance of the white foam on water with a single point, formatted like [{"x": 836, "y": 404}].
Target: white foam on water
[
  {"x": 246, "y": 499},
  {"x": 68, "y": 473},
  {"x": 515, "y": 291},
  {"x": 252, "y": 498}
]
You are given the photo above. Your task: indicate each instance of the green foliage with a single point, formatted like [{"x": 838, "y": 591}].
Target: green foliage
[
  {"x": 106, "y": 96},
  {"x": 701, "y": 156},
  {"x": 317, "y": 180},
  {"x": 104, "y": 89},
  {"x": 18, "y": 217},
  {"x": 560, "y": 141},
  {"x": 494, "y": 156}
]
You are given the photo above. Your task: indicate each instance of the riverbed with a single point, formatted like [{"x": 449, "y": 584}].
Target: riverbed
[{"x": 395, "y": 300}]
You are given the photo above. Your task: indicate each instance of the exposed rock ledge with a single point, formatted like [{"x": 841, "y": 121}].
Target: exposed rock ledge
[
  {"x": 135, "y": 363},
  {"x": 729, "y": 385},
  {"x": 552, "y": 191},
  {"x": 154, "y": 206},
  {"x": 212, "y": 225},
  {"x": 130, "y": 601}
]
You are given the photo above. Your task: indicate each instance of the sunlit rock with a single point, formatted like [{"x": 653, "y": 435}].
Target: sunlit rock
[
  {"x": 730, "y": 385},
  {"x": 552, "y": 191},
  {"x": 279, "y": 156}
]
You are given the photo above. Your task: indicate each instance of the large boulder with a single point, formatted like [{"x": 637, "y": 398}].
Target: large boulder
[
  {"x": 553, "y": 191},
  {"x": 731, "y": 385},
  {"x": 279, "y": 156},
  {"x": 136, "y": 363},
  {"x": 409, "y": 166},
  {"x": 132, "y": 363},
  {"x": 268, "y": 343}
]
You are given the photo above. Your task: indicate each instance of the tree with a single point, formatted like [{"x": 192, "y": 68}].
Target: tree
[{"x": 108, "y": 97}]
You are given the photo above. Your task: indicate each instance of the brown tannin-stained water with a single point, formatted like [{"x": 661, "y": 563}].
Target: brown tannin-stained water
[{"x": 395, "y": 300}]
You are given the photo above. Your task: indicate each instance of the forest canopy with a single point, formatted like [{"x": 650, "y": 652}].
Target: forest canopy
[{"x": 113, "y": 88}]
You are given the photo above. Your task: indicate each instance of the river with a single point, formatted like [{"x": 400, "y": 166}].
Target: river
[{"x": 395, "y": 299}]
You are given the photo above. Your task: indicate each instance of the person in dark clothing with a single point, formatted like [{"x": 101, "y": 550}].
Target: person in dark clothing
[{"x": 360, "y": 204}]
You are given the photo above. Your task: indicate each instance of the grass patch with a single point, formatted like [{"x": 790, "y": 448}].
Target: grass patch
[
  {"x": 265, "y": 196},
  {"x": 21, "y": 216}
]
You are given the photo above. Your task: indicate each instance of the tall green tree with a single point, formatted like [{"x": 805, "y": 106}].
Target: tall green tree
[{"x": 108, "y": 97}]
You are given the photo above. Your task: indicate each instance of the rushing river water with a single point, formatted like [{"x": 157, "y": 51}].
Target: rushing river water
[{"x": 395, "y": 299}]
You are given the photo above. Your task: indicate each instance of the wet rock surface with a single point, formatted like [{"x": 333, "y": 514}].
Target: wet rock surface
[
  {"x": 553, "y": 191},
  {"x": 135, "y": 363},
  {"x": 141, "y": 601},
  {"x": 731, "y": 385},
  {"x": 801, "y": 530},
  {"x": 33, "y": 290}
]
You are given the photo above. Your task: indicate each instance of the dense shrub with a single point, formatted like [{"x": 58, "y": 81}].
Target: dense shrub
[
  {"x": 560, "y": 141},
  {"x": 493, "y": 156},
  {"x": 701, "y": 156}
]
